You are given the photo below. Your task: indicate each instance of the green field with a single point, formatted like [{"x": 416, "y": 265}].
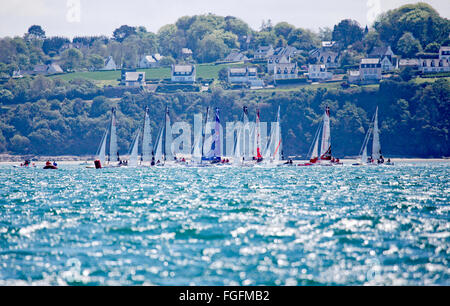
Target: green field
[{"x": 102, "y": 78}]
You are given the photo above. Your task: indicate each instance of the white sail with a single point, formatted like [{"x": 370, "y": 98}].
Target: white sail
[
  {"x": 364, "y": 155},
  {"x": 238, "y": 153},
  {"x": 376, "y": 147},
  {"x": 269, "y": 148},
  {"x": 277, "y": 144},
  {"x": 198, "y": 138},
  {"x": 159, "y": 147},
  {"x": 147, "y": 139},
  {"x": 133, "y": 160},
  {"x": 113, "y": 153},
  {"x": 168, "y": 139},
  {"x": 315, "y": 151},
  {"x": 258, "y": 136},
  {"x": 363, "y": 151},
  {"x": 102, "y": 150},
  {"x": 326, "y": 137}
]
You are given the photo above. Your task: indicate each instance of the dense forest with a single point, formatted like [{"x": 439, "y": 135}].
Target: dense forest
[{"x": 45, "y": 115}]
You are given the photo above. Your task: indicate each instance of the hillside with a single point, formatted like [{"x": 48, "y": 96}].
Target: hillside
[{"x": 414, "y": 118}]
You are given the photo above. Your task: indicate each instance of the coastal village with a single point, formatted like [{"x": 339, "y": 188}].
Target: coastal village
[{"x": 265, "y": 67}]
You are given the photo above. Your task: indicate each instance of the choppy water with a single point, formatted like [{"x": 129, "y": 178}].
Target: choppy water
[{"x": 226, "y": 226}]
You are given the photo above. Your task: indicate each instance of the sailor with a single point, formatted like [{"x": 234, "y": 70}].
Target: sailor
[
  {"x": 48, "y": 163},
  {"x": 55, "y": 164}
]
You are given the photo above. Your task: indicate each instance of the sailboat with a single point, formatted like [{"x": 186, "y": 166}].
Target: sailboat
[
  {"x": 102, "y": 161},
  {"x": 198, "y": 156},
  {"x": 274, "y": 146},
  {"x": 214, "y": 153},
  {"x": 324, "y": 158},
  {"x": 147, "y": 148},
  {"x": 133, "y": 159},
  {"x": 376, "y": 158},
  {"x": 258, "y": 156},
  {"x": 164, "y": 149},
  {"x": 239, "y": 144}
]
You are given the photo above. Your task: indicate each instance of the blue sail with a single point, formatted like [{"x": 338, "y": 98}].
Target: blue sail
[{"x": 214, "y": 152}]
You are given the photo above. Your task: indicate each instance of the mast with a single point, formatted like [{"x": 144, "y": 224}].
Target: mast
[
  {"x": 247, "y": 136},
  {"x": 217, "y": 135},
  {"x": 146, "y": 138},
  {"x": 376, "y": 147},
  {"x": 204, "y": 131},
  {"x": 239, "y": 137},
  {"x": 101, "y": 153},
  {"x": 325, "y": 148},
  {"x": 167, "y": 137},
  {"x": 258, "y": 136},
  {"x": 278, "y": 142},
  {"x": 113, "y": 140},
  {"x": 363, "y": 151},
  {"x": 134, "y": 150}
]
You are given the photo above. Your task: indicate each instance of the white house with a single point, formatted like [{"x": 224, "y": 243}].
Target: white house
[
  {"x": 408, "y": 62},
  {"x": 183, "y": 73},
  {"x": 287, "y": 51},
  {"x": 17, "y": 74},
  {"x": 133, "y": 78},
  {"x": 275, "y": 60},
  {"x": 319, "y": 72},
  {"x": 54, "y": 68},
  {"x": 285, "y": 71},
  {"x": 444, "y": 53},
  {"x": 326, "y": 55},
  {"x": 370, "y": 69},
  {"x": 433, "y": 65},
  {"x": 235, "y": 56},
  {"x": 388, "y": 59},
  {"x": 264, "y": 52},
  {"x": 109, "y": 64},
  {"x": 150, "y": 61},
  {"x": 39, "y": 69},
  {"x": 354, "y": 76},
  {"x": 186, "y": 53},
  {"x": 244, "y": 75}
]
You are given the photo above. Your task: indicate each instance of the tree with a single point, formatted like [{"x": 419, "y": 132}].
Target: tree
[
  {"x": 120, "y": 34},
  {"x": 19, "y": 144},
  {"x": 408, "y": 46},
  {"x": 407, "y": 73},
  {"x": 432, "y": 48},
  {"x": 303, "y": 39},
  {"x": 371, "y": 40},
  {"x": 283, "y": 29},
  {"x": 211, "y": 49},
  {"x": 325, "y": 34},
  {"x": 236, "y": 26},
  {"x": 223, "y": 74},
  {"x": 420, "y": 19},
  {"x": 36, "y": 32},
  {"x": 54, "y": 44},
  {"x": 347, "y": 32},
  {"x": 96, "y": 61},
  {"x": 72, "y": 58}
]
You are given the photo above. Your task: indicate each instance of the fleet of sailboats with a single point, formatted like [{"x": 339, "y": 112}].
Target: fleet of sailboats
[{"x": 248, "y": 148}]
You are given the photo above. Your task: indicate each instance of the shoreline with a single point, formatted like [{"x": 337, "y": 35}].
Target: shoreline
[{"x": 75, "y": 160}]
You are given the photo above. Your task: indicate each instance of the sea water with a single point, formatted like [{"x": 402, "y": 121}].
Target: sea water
[{"x": 340, "y": 225}]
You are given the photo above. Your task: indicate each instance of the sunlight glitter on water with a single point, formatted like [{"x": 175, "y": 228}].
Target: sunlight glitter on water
[{"x": 225, "y": 226}]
